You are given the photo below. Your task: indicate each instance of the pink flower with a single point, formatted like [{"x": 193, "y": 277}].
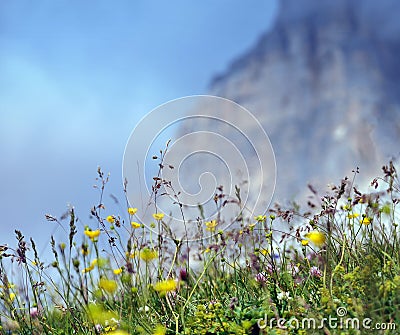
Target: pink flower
[
  {"x": 34, "y": 312},
  {"x": 315, "y": 272}
]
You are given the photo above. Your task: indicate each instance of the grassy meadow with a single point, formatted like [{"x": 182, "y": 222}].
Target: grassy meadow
[{"x": 334, "y": 269}]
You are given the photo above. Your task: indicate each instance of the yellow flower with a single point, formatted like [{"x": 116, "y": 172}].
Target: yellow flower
[
  {"x": 118, "y": 332},
  {"x": 91, "y": 266},
  {"x": 12, "y": 296},
  {"x": 211, "y": 225},
  {"x": 160, "y": 330},
  {"x": 158, "y": 216},
  {"x": 316, "y": 237},
  {"x": 117, "y": 271},
  {"x": 135, "y": 225},
  {"x": 92, "y": 234},
  {"x": 264, "y": 252},
  {"x": 148, "y": 255},
  {"x": 108, "y": 285},
  {"x": 165, "y": 286},
  {"x": 132, "y": 211},
  {"x": 260, "y": 218},
  {"x": 366, "y": 221},
  {"x": 110, "y": 219},
  {"x": 304, "y": 242},
  {"x": 353, "y": 216}
]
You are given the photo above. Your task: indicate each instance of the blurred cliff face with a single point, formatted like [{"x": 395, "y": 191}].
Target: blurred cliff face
[{"x": 324, "y": 83}]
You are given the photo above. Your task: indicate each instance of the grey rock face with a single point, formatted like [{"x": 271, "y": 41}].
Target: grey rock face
[{"x": 324, "y": 83}]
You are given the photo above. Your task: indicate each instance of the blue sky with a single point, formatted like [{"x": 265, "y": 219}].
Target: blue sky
[{"x": 76, "y": 77}]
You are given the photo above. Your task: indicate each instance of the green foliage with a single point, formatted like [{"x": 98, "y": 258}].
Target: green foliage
[{"x": 343, "y": 252}]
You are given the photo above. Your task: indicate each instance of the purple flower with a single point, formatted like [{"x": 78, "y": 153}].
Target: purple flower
[
  {"x": 34, "y": 312},
  {"x": 315, "y": 272},
  {"x": 261, "y": 278},
  {"x": 183, "y": 274}
]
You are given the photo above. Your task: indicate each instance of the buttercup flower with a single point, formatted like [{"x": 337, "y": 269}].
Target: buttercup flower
[
  {"x": 91, "y": 267},
  {"x": 107, "y": 285},
  {"x": 110, "y": 219},
  {"x": 353, "y": 216},
  {"x": 117, "y": 271},
  {"x": 92, "y": 234},
  {"x": 165, "y": 286},
  {"x": 135, "y": 225},
  {"x": 316, "y": 237},
  {"x": 132, "y": 211},
  {"x": 366, "y": 221},
  {"x": 158, "y": 216},
  {"x": 260, "y": 218},
  {"x": 147, "y": 254},
  {"x": 211, "y": 225},
  {"x": 304, "y": 242}
]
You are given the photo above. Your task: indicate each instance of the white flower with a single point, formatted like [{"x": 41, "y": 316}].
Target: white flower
[
  {"x": 284, "y": 296},
  {"x": 144, "y": 309}
]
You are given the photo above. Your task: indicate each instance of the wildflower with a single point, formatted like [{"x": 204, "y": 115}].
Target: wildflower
[
  {"x": 304, "y": 243},
  {"x": 117, "y": 271},
  {"x": 283, "y": 296},
  {"x": 366, "y": 221},
  {"x": 135, "y": 225},
  {"x": 91, "y": 267},
  {"x": 92, "y": 234},
  {"x": 260, "y": 218},
  {"x": 12, "y": 296},
  {"x": 148, "y": 255},
  {"x": 158, "y": 216},
  {"x": 264, "y": 252},
  {"x": 132, "y": 211},
  {"x": 165, "y": 286},
  {"x": 144, "y": 309},
  {"x": 315, "y": 272},
  {"x": 353, "y": 215},
  {"x": 211, "y": 225},
  {"x": 261, "y": 278},
  {"x": 316, "y": 237},
  {"x": 110, "y": 219},
  {"x": 34, "y": 312},
  {"x": 160, "y": 330},
  {"x": 118, "y": 332},
  {"x": 108, "y": 285},
  {"x": 183, "y": 274}
]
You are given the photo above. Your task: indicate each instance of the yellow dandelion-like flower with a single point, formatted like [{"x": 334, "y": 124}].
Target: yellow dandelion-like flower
[
  {"x": 316, "y": 237},
  {"x": 207, "y": 250},
  {"x": 147, "y": 254},
  {"x": 304, "y": 242},
  {"x": 12, "y": 296},
  {"x": 91, "y": 266},
  {"x": 117, "y": 271},
  {"x": 110, "y": 219},
  {"x": 108, "y": 285},
  {"x": 264, "y": 252},
  {"x": 160, "y": 330},
  {"x": 165, "y": 286},
  {"x": 158, "y": 216},
  {"x": 132, "y": 211},
  {"x": 118, "y": 332},
  {"x": 260, "y": 218},
  {"x": 211, "y": 225},
  {"x": 135, "y": 225},
  {"x": 92, "y": 234},
  {"x": 353, "y": 216},
  {"x": 366, "y": 221}
]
